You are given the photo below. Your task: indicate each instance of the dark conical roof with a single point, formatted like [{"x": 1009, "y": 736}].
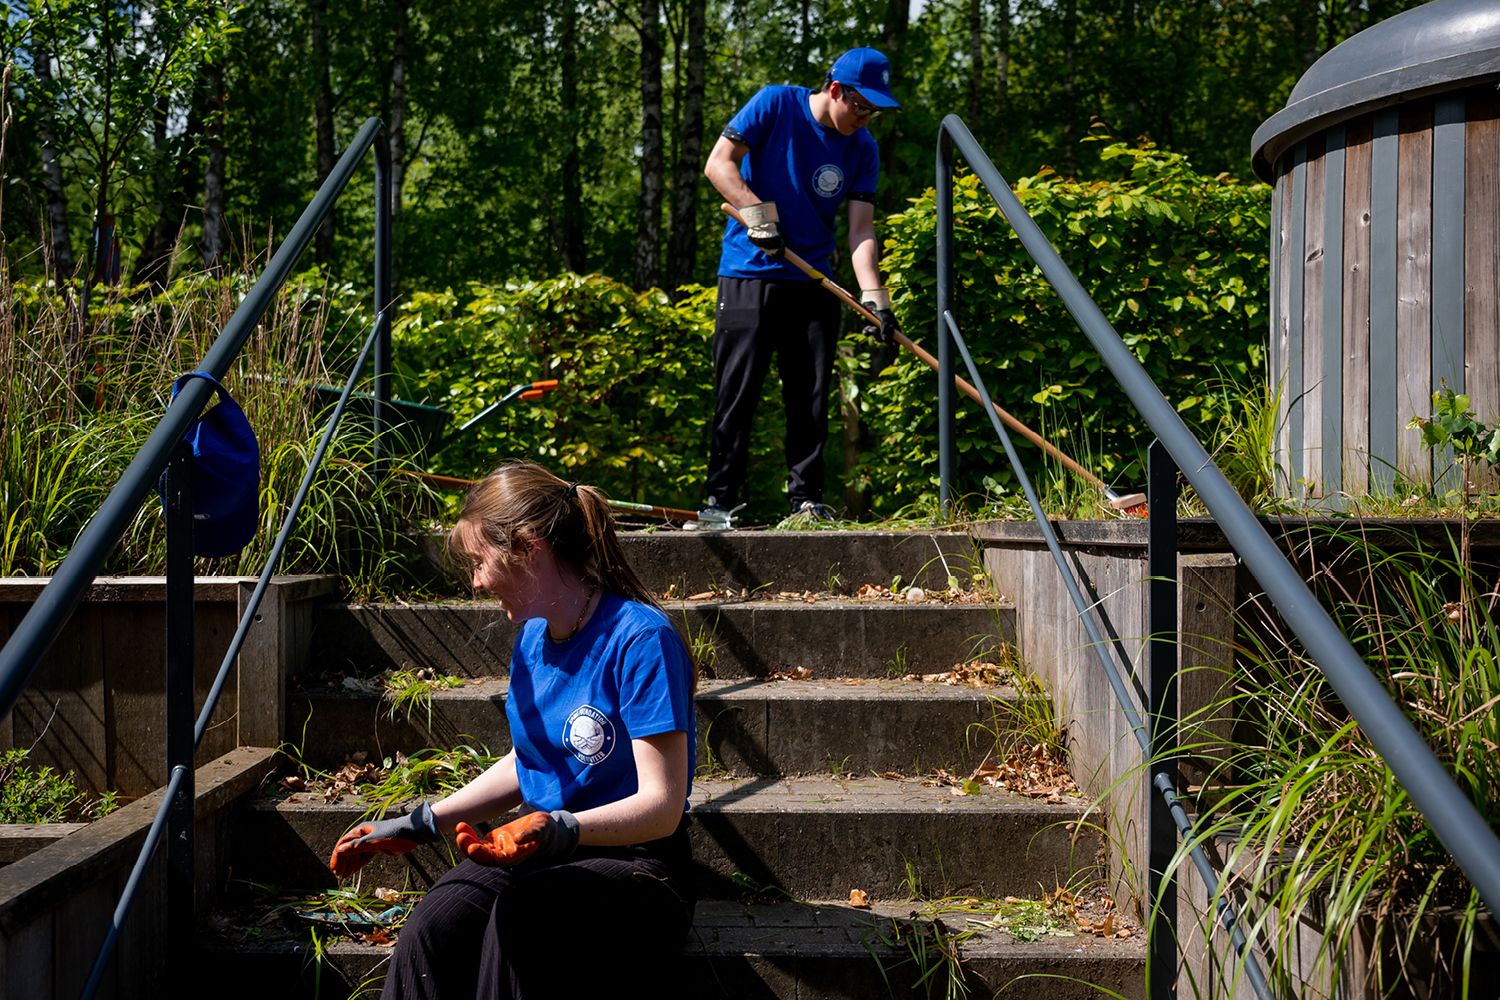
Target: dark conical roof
[{"x": 1439, "y": 46}]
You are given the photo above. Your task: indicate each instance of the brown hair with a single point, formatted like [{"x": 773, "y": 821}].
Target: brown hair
[{"x": 521, "y": 502}]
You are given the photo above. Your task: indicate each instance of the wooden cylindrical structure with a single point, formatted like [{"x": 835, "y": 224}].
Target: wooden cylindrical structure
[{"x": 1385, "y": 247}]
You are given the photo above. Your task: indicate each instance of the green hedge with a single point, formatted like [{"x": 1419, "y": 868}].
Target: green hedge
[
  {"x": 1177, "y": 262},
  {"x": 636, "y": 385}
]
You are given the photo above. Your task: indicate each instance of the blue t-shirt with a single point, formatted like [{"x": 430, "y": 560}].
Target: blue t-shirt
[
  {"x": 807, "y": 168},
  {"x": 574, "y": 706}
]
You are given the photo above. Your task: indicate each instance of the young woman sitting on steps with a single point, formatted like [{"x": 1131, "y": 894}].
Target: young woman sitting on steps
[{"x": 594, "y": 880}]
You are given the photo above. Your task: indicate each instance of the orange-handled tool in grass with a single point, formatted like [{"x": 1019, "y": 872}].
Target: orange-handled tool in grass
[{"x": 1128, "y": 502}]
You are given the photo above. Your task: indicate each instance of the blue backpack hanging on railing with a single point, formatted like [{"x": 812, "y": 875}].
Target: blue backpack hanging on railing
[{"x": 226, "y": 467}]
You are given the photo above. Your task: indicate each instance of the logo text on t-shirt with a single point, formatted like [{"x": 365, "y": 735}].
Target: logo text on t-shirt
[
  {"x": 828, "y": 180},
  {"x": 589, "y": 734}
]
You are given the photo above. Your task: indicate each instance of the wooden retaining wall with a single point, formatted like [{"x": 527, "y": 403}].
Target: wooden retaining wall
[
  {"x": 56, "y": 904},
  {"x": 95, "y": 705}
]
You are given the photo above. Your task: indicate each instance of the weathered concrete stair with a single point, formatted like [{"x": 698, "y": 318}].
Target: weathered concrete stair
[
  {"x": 804, "y": 816},
  {"x": 811, "y": 838},
  {"x": 850, "y": 725},
  {"x": 838, "y": 637}
]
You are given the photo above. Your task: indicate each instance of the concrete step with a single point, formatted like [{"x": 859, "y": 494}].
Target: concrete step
[
  {"x": 744, "y": 726},
  {"x": 835, "y": 561},
  {"x": 811, "y": 838},
  {"x": 819, "y": 950},
  {"x": 836, "y": 637}
]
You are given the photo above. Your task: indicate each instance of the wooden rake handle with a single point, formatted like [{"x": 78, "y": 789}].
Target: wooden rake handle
[{"x": 931, "y": 362}]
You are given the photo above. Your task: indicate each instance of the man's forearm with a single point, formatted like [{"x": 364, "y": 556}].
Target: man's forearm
[
  {"x": 864, "y": 254},
  {"x": 724, "y": 175}
]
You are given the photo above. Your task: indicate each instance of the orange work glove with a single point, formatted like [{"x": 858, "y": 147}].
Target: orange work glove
[
  {"x": 388, "y": 836},
  {"x": 541, "y": 836}
]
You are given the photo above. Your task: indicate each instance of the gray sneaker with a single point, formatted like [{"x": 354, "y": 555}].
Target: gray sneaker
[{"x": 815, "y": 511}]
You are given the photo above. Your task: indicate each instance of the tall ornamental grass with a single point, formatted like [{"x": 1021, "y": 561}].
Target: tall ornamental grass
[
  {"x": 76, "y": 405},
  {"x": 1321, "y": 833}
]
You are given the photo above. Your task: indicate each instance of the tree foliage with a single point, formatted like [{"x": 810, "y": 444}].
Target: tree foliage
[{"x": 522, "y": 124}]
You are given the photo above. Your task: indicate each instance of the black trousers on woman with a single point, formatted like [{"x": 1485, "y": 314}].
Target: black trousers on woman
[{"x": 583, "y": 928}]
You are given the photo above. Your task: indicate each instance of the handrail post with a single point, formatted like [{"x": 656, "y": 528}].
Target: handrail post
[
  {"x": 944, "y": 305},
  {"x": 382, "y": 376},
  {"x": 1161, "y": 829},
  {"x": 179, "y": 688}
]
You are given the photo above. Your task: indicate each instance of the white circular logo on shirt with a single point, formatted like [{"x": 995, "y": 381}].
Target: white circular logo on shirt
[
  {"x": 828, "y": 180},
  {"x": 589, "y": 734}
]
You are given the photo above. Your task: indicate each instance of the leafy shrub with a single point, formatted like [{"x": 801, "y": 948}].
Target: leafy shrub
[
  {"x": 33, "y": 794},
  {"x": 1176, "y": 261},
  {"x": 636, "y": 385}
]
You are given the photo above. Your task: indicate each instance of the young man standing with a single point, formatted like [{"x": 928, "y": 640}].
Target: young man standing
[{"x": 787, "y": 160}]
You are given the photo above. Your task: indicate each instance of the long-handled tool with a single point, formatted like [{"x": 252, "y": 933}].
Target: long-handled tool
[
  {"x": 1128, "y": 502},
  {"x": 671, "y": 513},
  {"x": 528, "y": 391}
]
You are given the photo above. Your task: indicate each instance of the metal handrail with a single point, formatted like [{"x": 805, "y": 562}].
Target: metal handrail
[
  {"x": 1150, "y": 744},
  {"x": 163, "y": 450},
  {"x": 1453, "y": 817}
]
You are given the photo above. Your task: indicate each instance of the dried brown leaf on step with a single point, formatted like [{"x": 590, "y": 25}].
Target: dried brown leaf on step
[
  {"x": 294, "y": 783},
  {"x": 379, "y": 936},
  {"x": 892, "y": 775},
  {"x": 790, "y": 674},
  {"x": 858, "y": 899},
  {"x": 387, "y": 895},
  {"x": 701, "y": 595}
]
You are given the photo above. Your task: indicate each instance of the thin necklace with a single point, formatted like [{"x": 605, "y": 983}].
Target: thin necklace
[{"x": 593, "y": 589}]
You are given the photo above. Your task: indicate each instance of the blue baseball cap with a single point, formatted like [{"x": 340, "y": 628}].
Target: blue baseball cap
[{"x": 867, "y": 71}]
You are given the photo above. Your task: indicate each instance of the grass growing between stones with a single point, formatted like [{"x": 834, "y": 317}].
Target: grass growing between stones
[{"x": 1320, "y": 833}]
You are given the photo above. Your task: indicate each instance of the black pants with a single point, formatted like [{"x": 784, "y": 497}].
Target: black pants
[
  {"x": 798, "y": 322},
  {"x": 583, "y": 928}
]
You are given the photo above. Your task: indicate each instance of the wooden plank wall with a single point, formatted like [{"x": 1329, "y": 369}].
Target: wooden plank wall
[
  {"x": 96, "y": 707},
  {"x": 1314, "y": 258},
  {"x": 1356, "y": 293},
  {"x": 1414, "y": 289},
  {"x": 1385, "y": 286},
  {"x": 1481, "y": 222}
]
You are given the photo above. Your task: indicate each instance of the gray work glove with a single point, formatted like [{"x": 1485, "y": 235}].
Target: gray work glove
[
  {"x": 764, "y": 225},
  {"x": 396, "y": 835}
]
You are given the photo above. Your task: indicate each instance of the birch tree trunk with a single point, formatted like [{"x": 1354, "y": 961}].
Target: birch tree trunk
[
  {"x": 396, "y": 123},
  {"x": 570, "y": 238},
  {"x": 213, "y": 172},
  {"x": 682, "y": 246},
  {"x": 976, "y": 65},
  {"x": 323, "y": 109},
  {"x": 648, "y": 219},
  {"x": 1002, "y": 77}
]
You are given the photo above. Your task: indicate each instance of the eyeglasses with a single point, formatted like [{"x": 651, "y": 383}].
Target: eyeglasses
[{"x": 861, "y": 107}]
